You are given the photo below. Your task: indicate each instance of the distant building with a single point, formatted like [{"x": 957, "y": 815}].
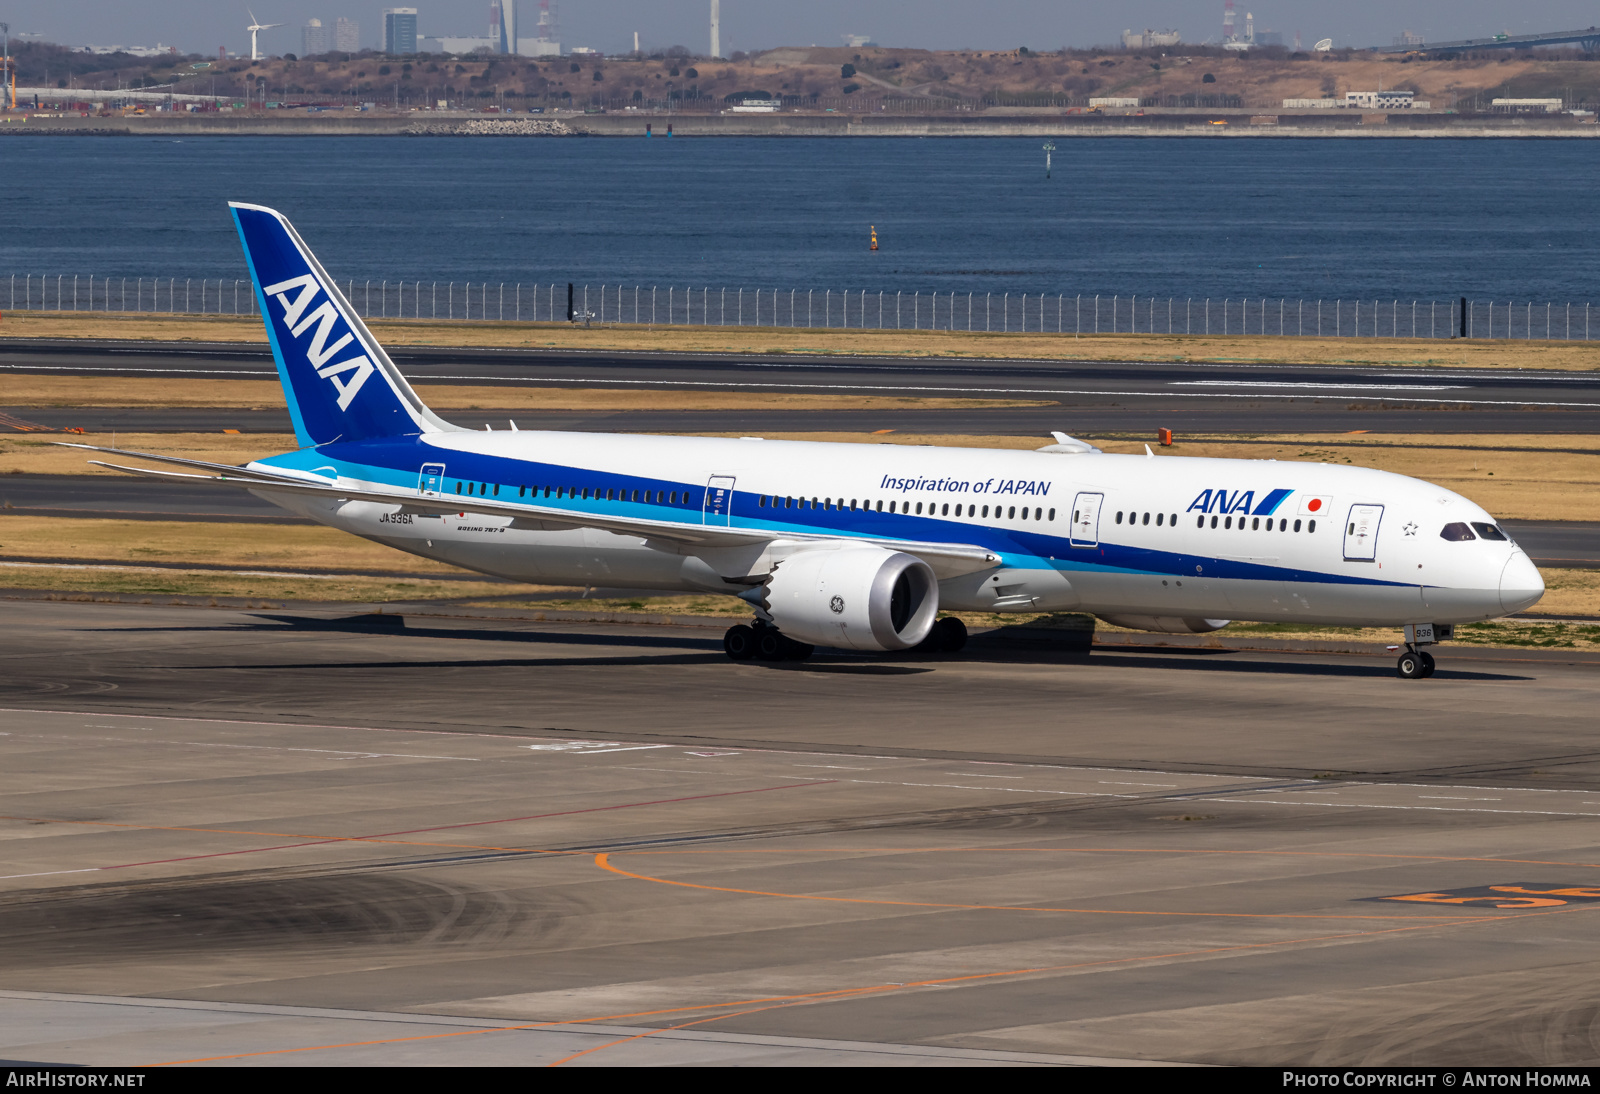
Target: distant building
[
  {"x": 1383, "y": 100},
  {"x": 399, "y": 30},
  {"x": 315, "y": 39},
  {"x": 1115, "y": 102},
  {"x": 538, "y": 47},
  {"x": 1269, "y": 37},
  {"x": 1150, "y": 39},
  {"x": 1408, "y": 38},
  {"x": 456, "y": 46},
  {"x": 858, "y": 41},
  {"x": 347, "y": 36},
  {"x": 1312, "y": 104},
  {"x": 1527, "y": 106}
]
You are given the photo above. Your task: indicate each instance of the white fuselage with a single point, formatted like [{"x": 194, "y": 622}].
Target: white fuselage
[{"x": 1118, "y": 535}]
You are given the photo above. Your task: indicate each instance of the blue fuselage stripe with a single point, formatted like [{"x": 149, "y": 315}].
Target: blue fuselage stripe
[{"x": 396, "y": 462}]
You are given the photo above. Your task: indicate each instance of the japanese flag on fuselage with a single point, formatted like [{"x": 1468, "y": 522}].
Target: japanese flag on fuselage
[{"x": 1315, "y": 506}]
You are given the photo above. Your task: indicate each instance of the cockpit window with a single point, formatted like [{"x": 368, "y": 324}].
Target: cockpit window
[
  {"x": 1489, "y": 531},
  {"x": 1457, "y": 533}
]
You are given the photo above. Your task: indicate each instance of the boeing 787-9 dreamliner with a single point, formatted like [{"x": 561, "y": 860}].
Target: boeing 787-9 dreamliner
[{"x": 847, "y": 545}]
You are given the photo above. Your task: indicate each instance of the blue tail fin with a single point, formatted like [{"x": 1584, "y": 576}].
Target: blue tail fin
[{"x": 339, "y": 383}]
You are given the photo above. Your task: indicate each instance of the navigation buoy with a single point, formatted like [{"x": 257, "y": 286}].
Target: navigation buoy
[{"x": 874, "y": 246}]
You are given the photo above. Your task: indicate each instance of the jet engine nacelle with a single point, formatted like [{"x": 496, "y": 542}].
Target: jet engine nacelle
[
  {"x": 863, "y": 598},
  {"x": 1166, "y": 624}
]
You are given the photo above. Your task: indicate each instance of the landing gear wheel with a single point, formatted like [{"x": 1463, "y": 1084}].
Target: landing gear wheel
[
  {"x": 946, "y": 636},
  {"x": 739, "y": 643},
  {"x": 770, "y": 645},
  {"x": 1410, "y": 667},
  {"x": 1427, "y": 664},
  {"x": 952, "y": 632}
]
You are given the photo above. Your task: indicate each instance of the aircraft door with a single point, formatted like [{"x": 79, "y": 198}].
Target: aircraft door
[
  {"x": 431, "y": 479},
  {"x": 1361, "y": 533},
  {"x": 718, "y": 507},
  {"x": 1086, "y": 520}
]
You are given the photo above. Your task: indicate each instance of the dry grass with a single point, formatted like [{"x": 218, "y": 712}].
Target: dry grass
[
  {"x": 40, "y": 454},
  {"x": 1459, "y": 353},
  {"x": 247, "y": 546},
  {"x": 22, "y": 390},
  {"x": 190, "y": 584}
]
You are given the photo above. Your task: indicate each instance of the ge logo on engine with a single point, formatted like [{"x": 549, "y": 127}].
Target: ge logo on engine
[{"x": 836, "y": 605}]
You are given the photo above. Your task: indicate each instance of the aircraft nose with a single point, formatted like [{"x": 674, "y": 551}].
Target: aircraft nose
[{"x": 1520, "y": 584}]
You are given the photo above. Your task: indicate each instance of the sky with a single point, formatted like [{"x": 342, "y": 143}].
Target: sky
[{"x": 608, "y": 25}]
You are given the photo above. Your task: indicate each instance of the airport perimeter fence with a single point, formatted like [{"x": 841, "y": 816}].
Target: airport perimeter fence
[{"x": 854, "y": 309}]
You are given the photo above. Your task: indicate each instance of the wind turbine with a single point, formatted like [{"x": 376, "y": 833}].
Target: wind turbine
[{"x": 255, "y": 27}]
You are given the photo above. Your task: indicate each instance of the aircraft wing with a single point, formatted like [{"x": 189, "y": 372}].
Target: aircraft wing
[{"x": 947, "y": 559}]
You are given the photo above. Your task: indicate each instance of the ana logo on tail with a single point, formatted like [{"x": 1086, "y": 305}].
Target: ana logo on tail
[{"x": 324, "y": 318}]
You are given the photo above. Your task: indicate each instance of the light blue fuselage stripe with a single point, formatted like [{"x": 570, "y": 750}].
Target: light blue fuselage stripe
[{"x": 392, "y": 461}]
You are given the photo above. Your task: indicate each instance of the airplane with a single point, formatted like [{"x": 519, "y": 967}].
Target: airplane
[{"x": 851, "y": 546}]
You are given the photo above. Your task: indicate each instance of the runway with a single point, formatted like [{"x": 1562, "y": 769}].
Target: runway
[
  {"x": 283, "y": 836},
  {"x": 1087, "y": 396}
]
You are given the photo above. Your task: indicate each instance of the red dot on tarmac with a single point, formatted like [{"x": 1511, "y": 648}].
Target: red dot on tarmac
[{"x": 1316, "y": 503}]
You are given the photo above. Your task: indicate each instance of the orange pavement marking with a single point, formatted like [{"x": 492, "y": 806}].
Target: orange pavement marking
[
  {"x": 603, "y": 860},
  {"x": 847, "y": 993},
  {"x": 381, "y": 836},
  {"x": 668, "y": 1029}
]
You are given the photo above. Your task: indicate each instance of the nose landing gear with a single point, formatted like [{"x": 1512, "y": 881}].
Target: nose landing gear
[{"x": 1414, "y": 665}]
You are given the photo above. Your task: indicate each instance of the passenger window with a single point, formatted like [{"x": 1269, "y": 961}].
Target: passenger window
[
  {"x": 946, "y": 512},
  {"x": 1456, "y": 533},
  {"x": 1296, "y": 526},
  {"x": 1227, "y": 522},
  {"x": 891, "y": 507},
  {"x": 1159, "y": 517},
  {"x": 1200, "y": 521},
  {"x": 1213, "y": 521},
  {"x": 880, "y": 505},
  {"x": 458, "y": 488},
  {"x": 1012, "y": 514},
  {"x": 1255, "y": 524},
  {"x": 1052, "y": 514},
  {"x": 985, "y": 512},
  {"x": 1173, "y": 520},
  {"x": 1311, "y": 526},
  {"x": 1146, "y": 519},
  {"x": 497, "y": 490},
  {"x": 1489, "y": 531},
  {"x": 1119, "y": 516}
]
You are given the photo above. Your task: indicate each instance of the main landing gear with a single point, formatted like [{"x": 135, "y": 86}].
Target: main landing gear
[{"x": 763, "y": 642}]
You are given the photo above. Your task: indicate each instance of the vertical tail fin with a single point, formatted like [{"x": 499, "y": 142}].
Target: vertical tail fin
[{"x": 339, "y": 383}]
